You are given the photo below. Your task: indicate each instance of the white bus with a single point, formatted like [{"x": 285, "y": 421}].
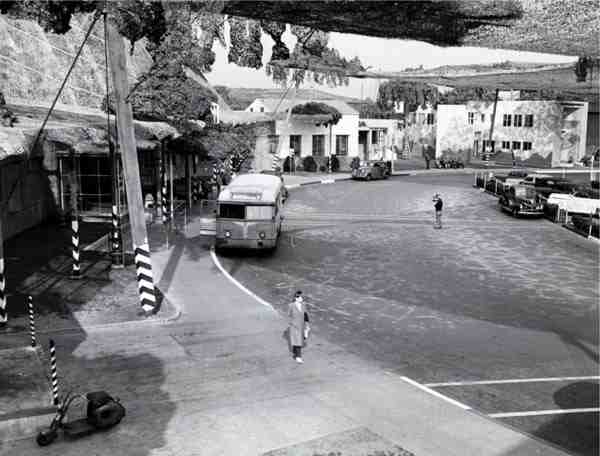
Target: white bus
[{"x": 249, "y": 212}]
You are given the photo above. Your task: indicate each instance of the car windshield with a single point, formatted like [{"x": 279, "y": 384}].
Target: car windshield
[{"x": 525, "y": 192}]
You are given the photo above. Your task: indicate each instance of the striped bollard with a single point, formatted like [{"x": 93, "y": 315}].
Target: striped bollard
[
  {"x": 76, "y": 272},
  {"x": 3, "y": 312},
  {"x": 143, "y": 269},
  {"x": 164, "y": 201},
  {"x": 117, "y": 260},
  {"x": 31, "y": 321},
  {"x": 54, "y": 376},
  {"x": 214, "y": 173},
  {"x": 274, "y": 163}
]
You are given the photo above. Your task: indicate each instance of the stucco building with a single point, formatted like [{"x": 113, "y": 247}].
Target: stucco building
[{"x": 535, "y": 132}]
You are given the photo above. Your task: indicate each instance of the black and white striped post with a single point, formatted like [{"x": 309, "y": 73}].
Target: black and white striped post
[
  {"x": 3, "y": 312},
  {"x": 116, "y": 244},
  {"x": 143, "y": 269},
  {"x": 76, "y": 271},
  {"x": 163, "y": 195},
  {"x": 54, "y": 375},
  {"x": 215, "y": 172},
  {"x": 31, "y": 321},
  {"x": 274, "y": 162}
]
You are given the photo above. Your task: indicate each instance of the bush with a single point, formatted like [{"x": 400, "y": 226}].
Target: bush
[{"x": 309, "y": 164}]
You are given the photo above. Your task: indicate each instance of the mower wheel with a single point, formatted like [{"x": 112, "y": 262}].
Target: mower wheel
[{"x": 46, "y": 437}]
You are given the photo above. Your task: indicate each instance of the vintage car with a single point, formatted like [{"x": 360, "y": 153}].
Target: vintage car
[
  {"x": 545, "y": 184},
  {"x": 371, "y": 170},
  {"x": 521, "y": 200}
]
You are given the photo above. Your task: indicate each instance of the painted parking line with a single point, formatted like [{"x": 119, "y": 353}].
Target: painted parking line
[
  {"x": 435, "y": 393},
  {"x": 544, "y": 412},
  {"x": 513, "y": 380}
]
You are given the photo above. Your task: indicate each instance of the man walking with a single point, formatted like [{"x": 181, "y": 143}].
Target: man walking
[
  {"x": 438, "y": 204},
  {"x": 298, "y": 325}
]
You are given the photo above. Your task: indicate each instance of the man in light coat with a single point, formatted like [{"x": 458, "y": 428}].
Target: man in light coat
[{"x": 298, "y": 325}]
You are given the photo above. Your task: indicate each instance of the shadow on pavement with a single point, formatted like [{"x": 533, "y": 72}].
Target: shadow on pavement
[{"x": 577, "y": 432}]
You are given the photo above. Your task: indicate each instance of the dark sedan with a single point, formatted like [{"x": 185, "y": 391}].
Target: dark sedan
[
  {"x": 371, "y": 170},
  {"x": 521, "y": 200}
]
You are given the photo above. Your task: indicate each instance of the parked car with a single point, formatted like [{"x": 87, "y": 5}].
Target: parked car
[
  {"x": 545, "y": 185},
  {"x": 371, "y": 170},
  {"x": 505, "y": 181},
  {"x": 521, "y": 200}
]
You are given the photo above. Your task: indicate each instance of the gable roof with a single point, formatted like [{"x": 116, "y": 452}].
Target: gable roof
[{"x": 272, "y": 103}]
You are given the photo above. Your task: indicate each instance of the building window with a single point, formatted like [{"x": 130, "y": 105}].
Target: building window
[
  {"x": 296, "y": 144},
  {"x": 506, "y": 145},
  {"x": 482, "y": 118},
  {"x": 273, "y": 144},
  {"x": 516, "y": 145},
  {"x": 470, "y": 118},
  {"x": 529, "y": 120},
  {"x": 92, "y": 184},
  {"x": 318, "y": 145},
  {"x": 506, "y": 118},
  {"x": 251, "y": 109},
  {"x": 341, "y": 144},
  {"x": 526, "y": 145},
  {"x": 430, "y": 119},
  {"x": 374, "y": 137},
  {"x": 518, "y": 120},
  {"x": 262, "y": 109}
]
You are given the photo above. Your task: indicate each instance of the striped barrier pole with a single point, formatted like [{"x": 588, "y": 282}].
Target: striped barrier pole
[
  {"x": 214, "y": 173},
  {"x": 274, "y": 163},
  {"x": 117, "y": 260},
  {"x": 143, "y": 269},
  {"x": 54, "y": 375},
  {"x": 31, "y": 321},
  {"x": 76, "y": 272},
  {"x": 163, "y": 195},
  {"x": 194, "y": 189},
  {"x": 3, "y": 312}
]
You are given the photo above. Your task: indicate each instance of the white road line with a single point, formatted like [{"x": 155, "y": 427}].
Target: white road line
[
  {"x": 435, "y": 393},
  {"x": 235, "y": 282},
  {"x": 544, "y": 412},
  {"x": 513, "y": 380}
]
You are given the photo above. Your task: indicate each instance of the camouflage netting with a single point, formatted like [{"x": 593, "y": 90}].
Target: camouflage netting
[{"x": 552, "y": 26}]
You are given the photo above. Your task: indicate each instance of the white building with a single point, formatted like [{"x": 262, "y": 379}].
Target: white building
[
  {"x": 535, "y": 132},
  {"x": 303, "y": 135}
]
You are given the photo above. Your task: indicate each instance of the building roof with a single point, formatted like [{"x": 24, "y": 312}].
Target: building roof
[{"x": 283, "y": 105}]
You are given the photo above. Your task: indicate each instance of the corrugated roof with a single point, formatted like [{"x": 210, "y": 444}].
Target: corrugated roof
[{"x": 272, "y": 103}]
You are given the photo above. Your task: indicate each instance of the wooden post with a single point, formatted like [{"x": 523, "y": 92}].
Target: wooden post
[
  {"x": 131, "y": 170},
  {"x": 188, "y": 182}
]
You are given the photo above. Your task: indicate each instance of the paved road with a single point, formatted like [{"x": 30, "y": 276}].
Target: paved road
[{"x": 489, "y": 297}]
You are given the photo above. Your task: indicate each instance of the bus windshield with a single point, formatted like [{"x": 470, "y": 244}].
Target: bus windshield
[{"x": 242, "y": 212}]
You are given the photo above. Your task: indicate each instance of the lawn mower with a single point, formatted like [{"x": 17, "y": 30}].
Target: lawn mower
[{"x": 103, "y": 412}]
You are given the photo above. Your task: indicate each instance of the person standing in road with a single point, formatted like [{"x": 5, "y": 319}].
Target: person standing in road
[
  {"x": 298, "y": 325},
  {"x": 437, "y": 199}
]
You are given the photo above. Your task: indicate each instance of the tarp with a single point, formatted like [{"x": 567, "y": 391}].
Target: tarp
[{"x": 574, "y": 204}]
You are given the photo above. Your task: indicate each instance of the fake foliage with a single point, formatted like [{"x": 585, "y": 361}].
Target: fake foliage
[{"x": 313, "y": 108}]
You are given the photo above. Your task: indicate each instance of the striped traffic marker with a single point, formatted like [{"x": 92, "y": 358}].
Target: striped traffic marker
[
  {"x": 143, "y": 267},
  {"x": 76, "y": 272},
  {"x": 3, "y": 312},
  {"x": 53, "y": 374},
  {"x": 31, "y": 320},
  {"x": 117, "y": 260},
  {"x": 163, "y": 196},
  {"x": 214, "y": 173},
  {"x": 274, "y": 163}
]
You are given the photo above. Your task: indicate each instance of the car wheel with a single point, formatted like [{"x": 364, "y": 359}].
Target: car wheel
[
  {"x": 368, "y": 177},
  {"x": 515, "y": 211}
]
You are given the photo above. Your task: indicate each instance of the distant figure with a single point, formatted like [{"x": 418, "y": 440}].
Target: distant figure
[
  {"x": 438, "y": 204},
  {"x": 298, "y": 325}
]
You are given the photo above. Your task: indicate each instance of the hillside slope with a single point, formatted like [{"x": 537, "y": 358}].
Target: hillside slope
[{"x": 33, "y": 63}]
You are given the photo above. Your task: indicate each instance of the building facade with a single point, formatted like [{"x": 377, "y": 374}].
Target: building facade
[{"x": 534, "y": 133}]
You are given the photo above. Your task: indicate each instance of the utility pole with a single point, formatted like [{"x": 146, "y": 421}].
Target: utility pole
[
  {"x": 494, "y": 120},
  {"x": 131, "y": 171}
]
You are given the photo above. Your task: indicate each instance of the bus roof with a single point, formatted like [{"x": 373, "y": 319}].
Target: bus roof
[{"x": 253, "y": 188}]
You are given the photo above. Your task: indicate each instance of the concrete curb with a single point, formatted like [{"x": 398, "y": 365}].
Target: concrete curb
[{"x": 26, "y": 426}]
